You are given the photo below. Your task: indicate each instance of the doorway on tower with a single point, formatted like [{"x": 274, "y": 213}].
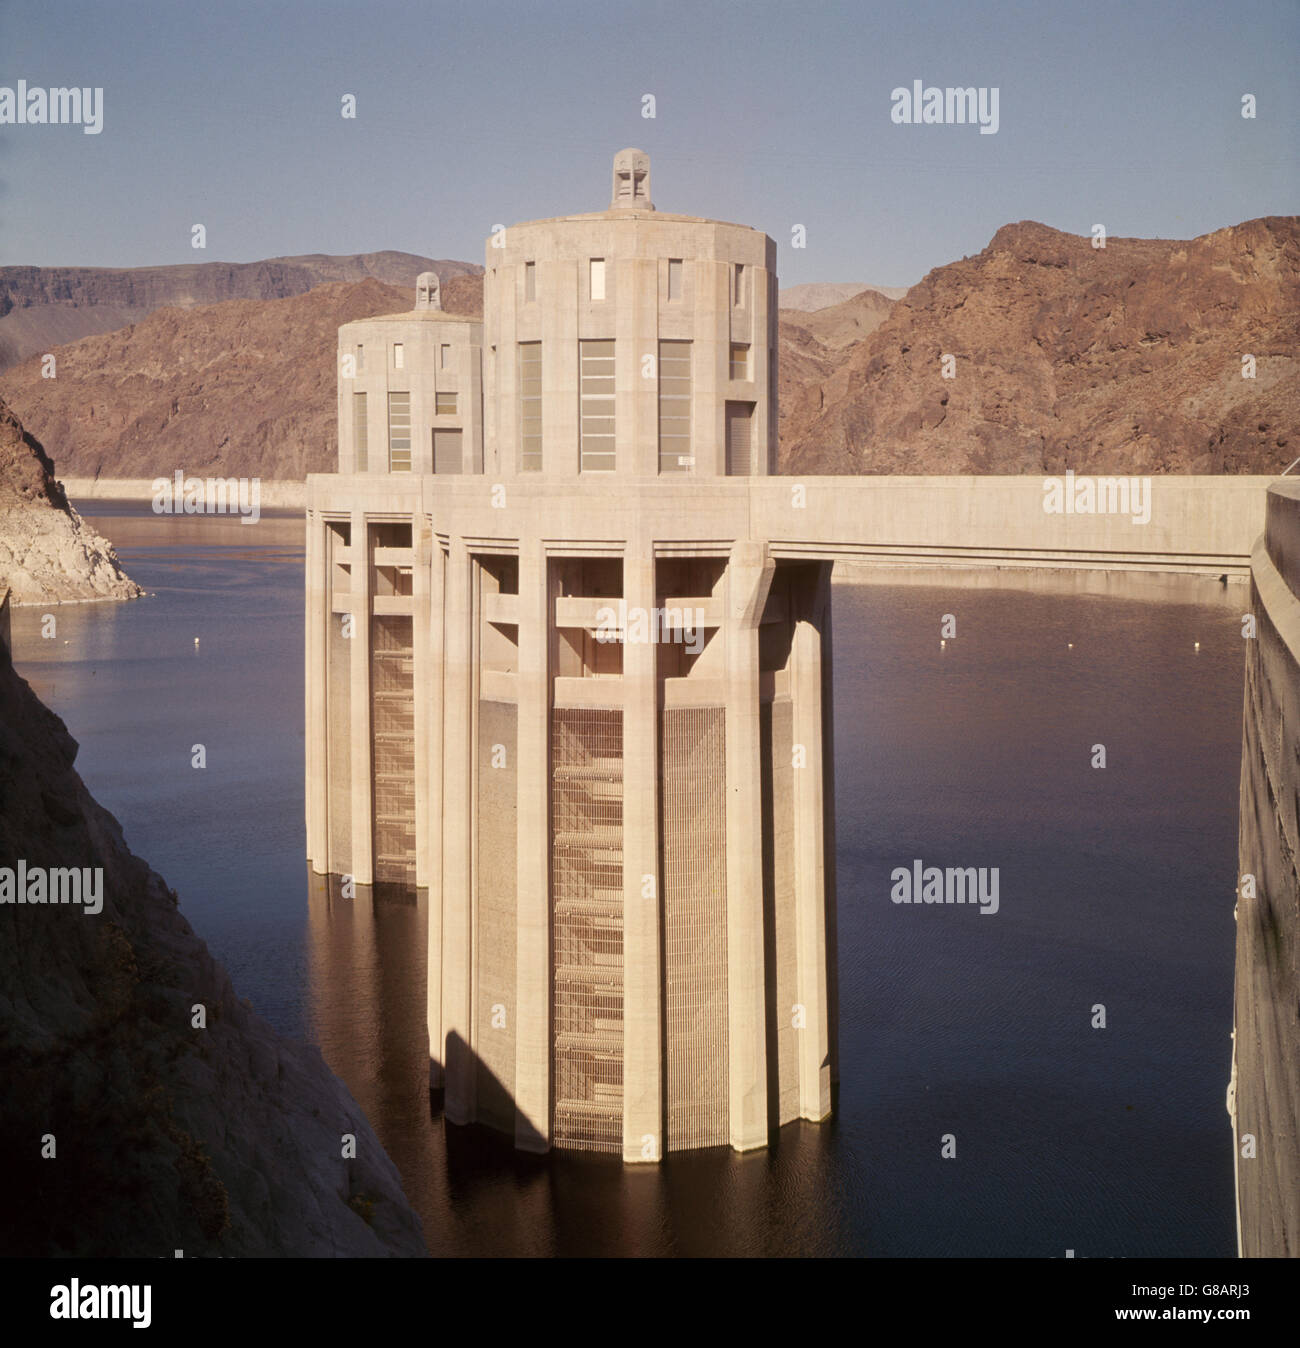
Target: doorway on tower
[{"x": 740, "y": 439}]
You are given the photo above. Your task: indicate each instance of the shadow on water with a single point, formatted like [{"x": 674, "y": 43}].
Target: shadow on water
[{"x": 475, "y": 1193}]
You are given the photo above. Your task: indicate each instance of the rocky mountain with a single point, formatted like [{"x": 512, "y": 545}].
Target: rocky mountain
[
  {"x": 47, "y": 554},
  {"x": 1123, "y": 359},
  {"x": 836, "y": 326},
  {"x": 134, "y": 1124},
  {"x": 44, "y": 307},
  {"x": 242, "y": 388},
  {"x": 814, "y": 295}
]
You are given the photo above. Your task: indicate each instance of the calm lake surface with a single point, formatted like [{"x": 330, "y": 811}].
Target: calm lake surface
[{"x": 1116, "y": 887}]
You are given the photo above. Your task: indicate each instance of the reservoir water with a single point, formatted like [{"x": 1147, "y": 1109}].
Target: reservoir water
[{"x": 1115, "y": 890}]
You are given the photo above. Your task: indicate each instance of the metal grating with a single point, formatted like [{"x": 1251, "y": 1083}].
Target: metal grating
[
  {"x": 587, "y": 925},
  {"x": 695, "y": 926},
  {"x": 392, "y": 666},
  {"x": 675, "y": 407}
]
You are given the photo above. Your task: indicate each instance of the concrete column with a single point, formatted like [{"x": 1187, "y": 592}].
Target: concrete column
[
  {"x": 643, "y": 1121},
  {"x": 560, "y": 371},
  {"x": 421, "y": 552},
  {"x": 318, "y": 583},
  {"x": 828, "y": 836},
  {"x": 636, "y": 399},
  {"x": 429, "y": 689},
  {"x": 457, "y": 839},
  {"x": 710, "y": 366},
  {"x": 810, "y": 848},
  {"x": 764, "y": 396},
  {"x": 363, "y": 813},
  {"x": 749, "y": 577},
  {"x": 507, "y": 370},
  {"x": 532, "y": 1011}
]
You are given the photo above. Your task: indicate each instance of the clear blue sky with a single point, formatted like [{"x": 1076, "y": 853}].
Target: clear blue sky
[{"x": 1125, "y": 112}]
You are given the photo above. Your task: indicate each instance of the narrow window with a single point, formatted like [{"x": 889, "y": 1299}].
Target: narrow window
[
  {"x": 530, "y": 282},
  {"x": 738, "y": 296},
  {"x": 399, "y": 432},
  {"x": 675, "y": 407},
  {"x": 739, "y": 360},
  {"x": 444, "y": 356},
  {"x": 674, "y": 278},
  {"x": 360, "y": 441},
  {"x": 444, "y": 404},
  {"x": 530, "y": 407},
  {"x": 597, "y": 278},
  {"x": 596, "y": 407},
  {"x": 399, "y": 356},
  {"x": 361, "y": 357}
]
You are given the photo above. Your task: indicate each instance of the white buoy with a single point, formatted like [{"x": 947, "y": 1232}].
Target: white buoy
[{"x": 196, "y": 641}]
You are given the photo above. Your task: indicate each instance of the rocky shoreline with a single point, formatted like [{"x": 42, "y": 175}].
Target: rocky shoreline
[
  {"x": 146, "y": 1108},
  {"x": 48, "y": 554}
]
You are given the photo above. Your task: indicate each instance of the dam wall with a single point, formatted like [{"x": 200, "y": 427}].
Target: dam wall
[
  {"x": 1179, "y": 523},
  {"x": 276, "y": 494},
  {"x": 1196, "y": 524},
  {"x": 1264, "y": 1097}
]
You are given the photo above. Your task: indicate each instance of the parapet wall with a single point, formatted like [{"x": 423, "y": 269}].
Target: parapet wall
[
  {"x": 1163, "y": 523},
  {"x": 1264, "y": 1098}
]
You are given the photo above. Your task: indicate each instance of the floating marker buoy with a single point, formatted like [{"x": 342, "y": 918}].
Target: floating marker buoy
[{"x": 196, "y": 641}]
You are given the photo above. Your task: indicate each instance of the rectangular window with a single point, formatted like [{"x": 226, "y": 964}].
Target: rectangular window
[
  {"x": 675, "y": 407},
  {"x": 447, "y": 452},
  {"x": 361, "y": 358},
  {"x": 597, "y": 278},
  {"x": 674, "y": 278},
  {"x": 359, "y": 432},
  {"x": 739, "y": 451},
  {"x": 739, "y": 360},
  {"x": 360, "y": 440},
  {"x": 444, "y": 404},
  {"x": 399, "y": 356},
  {"x": 738, "y": 285},
  {"x": 399, "y": 432},
  {"x": 530, "y": 282},
  {"x": 530, "y": 407},
  {"x": 444, "y": 356},
  {"x": 596, "y": 406}
]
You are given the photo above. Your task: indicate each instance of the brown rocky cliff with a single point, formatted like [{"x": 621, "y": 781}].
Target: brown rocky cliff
[
  {"x": 244, "y": 388},
  {"x": 225, "y": 1140},
  {"x": 1122, "y": 360},
  {"x": 44, "y": 307},
  {"x": 47, "y": 553}
]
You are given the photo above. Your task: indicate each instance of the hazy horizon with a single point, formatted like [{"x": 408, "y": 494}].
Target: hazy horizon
[{"x": 471, "y": 116}]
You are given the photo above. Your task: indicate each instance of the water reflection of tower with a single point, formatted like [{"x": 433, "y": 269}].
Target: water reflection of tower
[{"x": 554, "y": 677}]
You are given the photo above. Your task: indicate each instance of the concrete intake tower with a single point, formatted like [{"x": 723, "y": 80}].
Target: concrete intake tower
[{"x": 560, "y": 676}]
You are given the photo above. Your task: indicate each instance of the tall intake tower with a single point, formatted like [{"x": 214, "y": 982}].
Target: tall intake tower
[{"x": 560, "y": 676}]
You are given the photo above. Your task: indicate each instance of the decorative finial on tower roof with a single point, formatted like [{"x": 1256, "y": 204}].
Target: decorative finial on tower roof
[
  {"x": 631, "y": 181},
  {"x": 428, "y": 291}
]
